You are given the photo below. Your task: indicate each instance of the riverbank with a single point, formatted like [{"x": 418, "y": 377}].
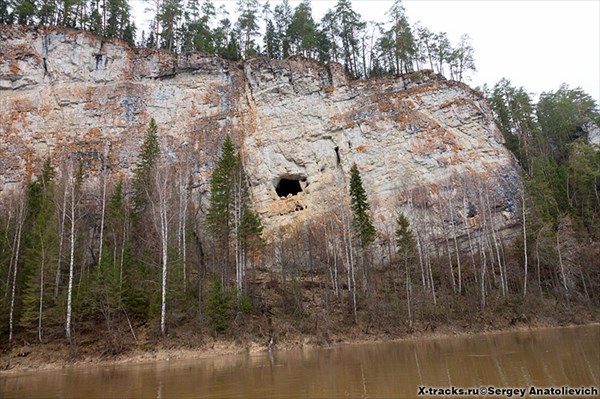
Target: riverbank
[
  {"x": 53, "y": 356},
  {"x": 285, "y": 318}
]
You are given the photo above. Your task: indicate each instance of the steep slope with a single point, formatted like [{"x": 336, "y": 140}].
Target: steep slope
[{"x": 423, "y": 144}]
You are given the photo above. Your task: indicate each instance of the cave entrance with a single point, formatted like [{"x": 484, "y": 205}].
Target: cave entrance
[{"x": 286, "y": 186}]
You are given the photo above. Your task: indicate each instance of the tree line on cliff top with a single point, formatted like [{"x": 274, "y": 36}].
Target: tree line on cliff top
[
  {"x": 364, "y": 48},
  {"x": 148, "y": 256}
]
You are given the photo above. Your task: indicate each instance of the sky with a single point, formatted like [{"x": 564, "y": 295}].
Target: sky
[{"x": 537, "y": 44}]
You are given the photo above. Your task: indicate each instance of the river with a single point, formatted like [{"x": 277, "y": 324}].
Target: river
[{"x": 553, "y": 357}]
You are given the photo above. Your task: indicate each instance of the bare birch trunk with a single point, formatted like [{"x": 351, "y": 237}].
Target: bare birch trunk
[
  {"x": 456, "y": 247},
  {"x": 163, "y": 191},
  {"x": 524, "y": 242},
  {"x": 102, "y": 217},
  {"x": 350, "y": 262},
  {"x": 450, "y": 268},
  {"x": 164, "y": 232},
  {"x": 503, "y": 280},
  {"x": 41, "y": 305},
  {"x": 71, "y": 255},
  {"x": 181, "y": 231},
  {"x": 537, "y": 260},
  {"x": 408, "y": 293},
  {"x": 61, "y": 241},
  {"x": 560, "y": 262},
  {"x": 16, "y": 249},
  {"x": 483, "y": 267}
]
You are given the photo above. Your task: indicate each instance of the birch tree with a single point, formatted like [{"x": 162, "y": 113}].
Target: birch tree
[
  {"x": 74, "y": 182},
  {"x": 161, "y": 202},
  {"x": 14, "y": 259}
]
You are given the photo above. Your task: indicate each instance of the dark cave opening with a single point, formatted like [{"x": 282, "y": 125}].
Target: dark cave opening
[{"x": 287, "y": 186}]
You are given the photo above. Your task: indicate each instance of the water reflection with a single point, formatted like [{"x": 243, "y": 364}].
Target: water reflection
[{"x": 553, "y": 357}]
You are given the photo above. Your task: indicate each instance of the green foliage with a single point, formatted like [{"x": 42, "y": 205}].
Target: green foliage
[
  {"x": 583, "y": 170},
  {"x": 514, "y": 114},
  {"x": 118, "y": 20},
  {"x": 398, "y": 42},
  {"x": 250, "y": 230},
  {"x": 196, "y": 32},
  {"x": 217, "y": 306},
  {"x": 245, "y": 304},
  {"x": 559, "y": 114},
  {"x": 270, "y": 41},
  {"x": 561, "y": 170},
  {"x": 365, "y": 49},
  {"x": 105, "y": 294},
  {"x": 229, "y": 216},
  {"x": 219, "y": 215},
  {"x": 25, "y": 11},
  {"x": 361, "y": 222},
  {"x": 169, "y": 18},
  {"x": 149, "y": 154},
  {"x": 348, "y": 26},
  {"x": 248, "y": 19},
  {"x": 405, "y": 242},
  {"x": 40, "y": 246},
  {"x": 116, "y": 206},
  {"x": 301, "y": 31},
  {"x": 462, "y": 59},
  {"x": 282, "y": 20}
]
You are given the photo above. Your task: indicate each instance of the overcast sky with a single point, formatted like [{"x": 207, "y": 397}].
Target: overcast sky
[{"x": 538, "y": 44}]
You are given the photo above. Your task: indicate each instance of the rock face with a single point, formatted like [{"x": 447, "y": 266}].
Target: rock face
[
  {"x": 593, "y": 133},
  {"x": 423, "y": 144}
]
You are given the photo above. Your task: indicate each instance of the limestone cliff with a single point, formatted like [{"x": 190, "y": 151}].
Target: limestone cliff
[{"x": 421, "y": 143}]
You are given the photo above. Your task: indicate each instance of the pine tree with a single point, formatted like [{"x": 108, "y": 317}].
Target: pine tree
[
  {"x": 25, "y": 11},
  {"x": 400, "y": 39},
  {"x": 361, "y": 222},
  {"x": 301, "y": 32},
  {"x": 282, "y": 19},
  {"x": 169, "y": 17},
  {"x": 6, "y": 16},
  {"x": 559, "y": 114},
  {"x": 514, "y": 113},
  {"x": 349, "y": 26},
  {"x": 248, "y": 24}
]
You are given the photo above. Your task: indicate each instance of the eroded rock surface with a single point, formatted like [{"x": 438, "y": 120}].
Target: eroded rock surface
[{"x": 423, "y": 144}]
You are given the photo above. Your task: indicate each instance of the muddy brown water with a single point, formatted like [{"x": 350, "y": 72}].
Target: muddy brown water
[{"x": 543, "y": 358}]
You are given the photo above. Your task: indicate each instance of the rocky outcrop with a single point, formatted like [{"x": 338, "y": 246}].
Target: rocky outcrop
[
  {"x": 422, "y": 143},
  {"x": 592, "y": 132}
]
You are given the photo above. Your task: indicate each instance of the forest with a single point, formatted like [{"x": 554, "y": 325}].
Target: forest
[
  {"x": 133, "y": 261},
  {"x": 365, "y": 48}
]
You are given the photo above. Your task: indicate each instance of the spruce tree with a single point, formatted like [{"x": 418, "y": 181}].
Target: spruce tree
[
  {"x": 229, "y": 217},
  {"x": 40, "y": 249},
  {"x": 406, "y": 248},
  {"x": 218, "y": 217},
  {"x": 217, "y": 306},
  {"x": 147, "y": 158},
  {"x": 361, "y": 222},
  {"x": 405, "y": 241}
]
